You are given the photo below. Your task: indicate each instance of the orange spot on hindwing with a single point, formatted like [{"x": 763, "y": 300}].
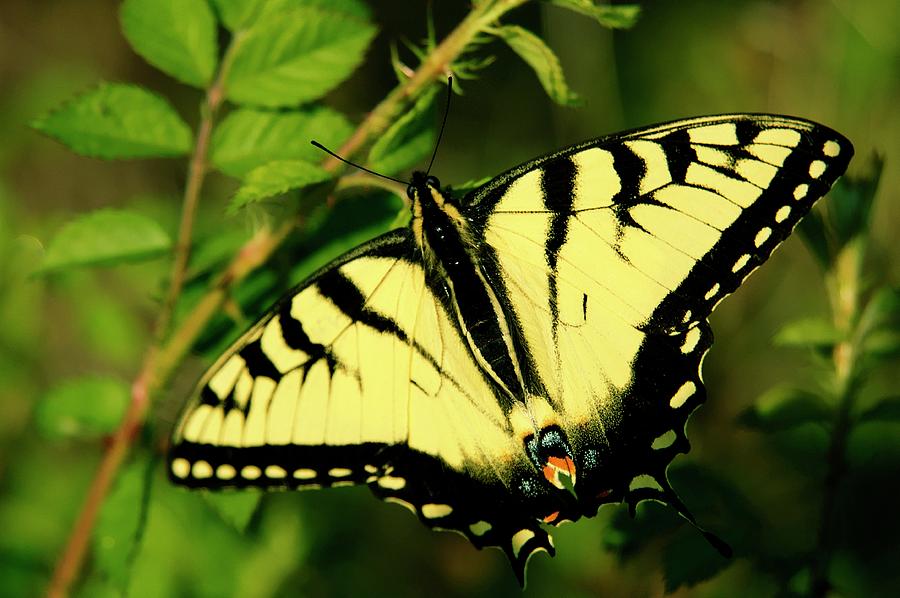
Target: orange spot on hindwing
[{"x": 557, "y": 466}]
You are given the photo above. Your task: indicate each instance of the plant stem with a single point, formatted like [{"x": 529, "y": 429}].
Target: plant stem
[
  {"x": 844, "y": 289},
  {"x": 147, "y": 380},
  {"x": 162, "y": 358}
]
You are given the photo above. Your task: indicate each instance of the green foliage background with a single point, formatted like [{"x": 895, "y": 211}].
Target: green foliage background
[{"x": 85, "y": 248}]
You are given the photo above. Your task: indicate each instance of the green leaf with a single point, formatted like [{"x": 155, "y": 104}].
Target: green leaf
[
  {"x": 214, "y": 251},
  {"x": 808, "y": 332},
  {"x": 296, "y": 57},
  {"x": 235, "y": 508},
  {"x": 235, "y": 14},
  {"x": 119, "y": 524},
  {"x": 467, "y": 187},
  {"x": 337, "y": 230},
  {"x": 409, "y": 140},
  {"x": 176, "y": 36},
  {"x": 882, "y": 344},
  {"x": 542, "y": 60},
  {"x": 87, "y": 407},
  {"x": 105, "y": 237},
  {"x": 850, "y": 203},
  {"x": 281, "y": 543},
  {"x": 238, "y": 14},
  {"x": 621, "y": 16},
  {"x": 108, "y": 328},
  {"x": 249, "y": 138},
  {"x": 812, "y": 231},
  {"x": 885, "y": 410},
  {"x": 627, "y": 535},
  {"x": 879, "y": 324},
  {"x": 782, "y": 408},
  {"x": 354, "y": 8},
  {"x": 276, "y": 178},
  {"x": 687, "y": 556},
  {"x": 881, "y": 313},
  {"x": 689, "y": 559},
  {"x": 118, "y": 121}
]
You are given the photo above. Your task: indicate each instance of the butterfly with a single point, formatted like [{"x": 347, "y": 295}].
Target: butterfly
[{"x": 521, "y": 355}]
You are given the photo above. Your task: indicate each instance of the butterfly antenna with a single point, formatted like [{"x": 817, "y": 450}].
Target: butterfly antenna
[
  {"x": 437, "y": 144},
  {"x": 355, "y": 165}
]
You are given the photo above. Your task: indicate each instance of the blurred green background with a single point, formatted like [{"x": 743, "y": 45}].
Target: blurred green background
[{"x": 835, "y": 62}]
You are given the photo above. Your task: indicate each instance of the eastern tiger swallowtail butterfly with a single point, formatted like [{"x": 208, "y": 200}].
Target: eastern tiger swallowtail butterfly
[{"x": 519, "y": 356}]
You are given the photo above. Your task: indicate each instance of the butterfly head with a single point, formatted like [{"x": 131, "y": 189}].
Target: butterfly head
[
  {"x": 422, "y": 184},
  {"x": 436, "y": 218}
]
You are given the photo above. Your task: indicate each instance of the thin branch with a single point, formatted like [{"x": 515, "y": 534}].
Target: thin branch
[
  {"x": 147, "y": 379},
  {"x": 196, "y": 174},
  {"x": 162, "y": 358}
]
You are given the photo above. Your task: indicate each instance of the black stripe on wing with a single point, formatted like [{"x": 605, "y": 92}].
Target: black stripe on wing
[
  {"x": 667, "y": 386},
  {"x": 347, "y": 297},
  {"x": 558, "y": 189},
  {"x": 759, "y": 229}
]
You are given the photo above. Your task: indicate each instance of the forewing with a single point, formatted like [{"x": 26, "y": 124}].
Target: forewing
[
  {"x": 614, "y": 252},
  {"x": 359, "y": 376}
]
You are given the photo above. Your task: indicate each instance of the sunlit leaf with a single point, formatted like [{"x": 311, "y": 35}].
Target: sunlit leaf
[
  {"x": 237, "y": 14},
  {"x": 808, "y": 332},
  {"x": 105, "y": 237},
  {"x": 249, "y": 138},
  {"x": 619, "y": 16},
  {"x": 542, "y": 60},
  {"x": 409, "y": 140},
  {"x": 118, "y": 121},
  {"x": 782, "y": 408},
  {"x": 87, "y": 407},
  {"x": 296, "y": 57},
  {"x": 355, "y": 8},
  {"x": 276, "y": 178},
  {"x": 176, "y": 36}
]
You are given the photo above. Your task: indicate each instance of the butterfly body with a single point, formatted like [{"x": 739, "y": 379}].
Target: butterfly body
[{"x": 521, "y": 355}]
